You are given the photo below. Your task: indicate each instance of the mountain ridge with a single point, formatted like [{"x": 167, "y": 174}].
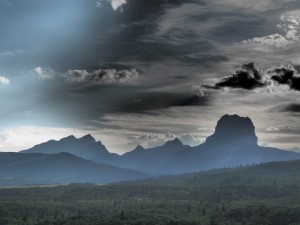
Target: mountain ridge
[
  {"x": 85, "y": 147},
  {"x": 233, "y": 143}
]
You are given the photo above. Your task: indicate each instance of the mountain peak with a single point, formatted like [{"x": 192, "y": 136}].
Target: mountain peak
[
  {"x": 175, "y": 142},
  {"x": 87, "y": 138},
  {"x": 139, "y": 148},
  {"x": 69, "y": 138},
  {"x": 234, "y": 129}
]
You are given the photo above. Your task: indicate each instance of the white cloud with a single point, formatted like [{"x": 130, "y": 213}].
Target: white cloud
[
  {"x": 4, "y": 80},
  {"x": 290, "y": 20},
  {"x": 191, "y": 139},
  {"x": 272, "y": 129},
  {"x": 43, "y": 73},
  {"x": 290, "y": 25},
  {"x": 105, "y": 76},
  {"x": 150, "y": 140},
  {"x": 102, "y": 76},
  {"x": 155, "y": 140},
  {"x": 115, "y": 4},
  {"x": 293, "y": 35},
  {"x": 268, "y": 42}
]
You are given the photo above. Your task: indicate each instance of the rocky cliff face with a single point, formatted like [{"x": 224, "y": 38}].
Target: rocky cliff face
[{"x": 233, "y": 130}]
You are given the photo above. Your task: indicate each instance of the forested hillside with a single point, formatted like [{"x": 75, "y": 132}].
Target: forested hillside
[{"x": 266, "y": 194}]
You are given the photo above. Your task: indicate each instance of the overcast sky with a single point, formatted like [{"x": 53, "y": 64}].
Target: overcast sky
[{"x": 136, "y": 72}]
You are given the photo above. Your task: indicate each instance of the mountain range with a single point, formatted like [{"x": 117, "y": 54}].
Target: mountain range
[{"x": 72, "y": 159}]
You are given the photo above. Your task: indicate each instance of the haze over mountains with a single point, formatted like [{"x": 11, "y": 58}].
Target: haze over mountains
[
  {"x": 84, "y": 159},
  {"x": 58, "y": 168}
]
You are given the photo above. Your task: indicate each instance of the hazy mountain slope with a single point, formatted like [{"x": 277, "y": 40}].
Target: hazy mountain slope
[
  {"x": 58, "y": 168},
  {"x": 261, "y": 174}
]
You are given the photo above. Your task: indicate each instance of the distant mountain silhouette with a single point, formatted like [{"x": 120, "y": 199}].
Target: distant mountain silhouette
[
  {"x": 59, "y": 168},
  {"x": 233, "y": 130},
  {"x": 85, "y": 147},
  {"x": 153, "y": 159},
  {"x": 233, "y": 143}
]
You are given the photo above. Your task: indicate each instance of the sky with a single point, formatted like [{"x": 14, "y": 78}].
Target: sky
[{"x": 140, "y": 72}]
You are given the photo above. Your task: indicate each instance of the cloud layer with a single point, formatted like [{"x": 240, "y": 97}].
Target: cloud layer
[
  {"x": 85, "y": 55},
  {"x": 100, "y": 76}
]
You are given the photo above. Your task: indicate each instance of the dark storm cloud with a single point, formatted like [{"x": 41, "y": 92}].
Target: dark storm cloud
[
  {"x": 149, "y": 101},
  {"x": 286, "y": 75},
  {"x": 84, "y": 36},
  {"x": 292, "y": 108},
  {"x": 105, "y": 36},
  {"x": 86, "y": 96},
  {"x": 190, "y": 40},
  {"x": 207, "y": 60},
  {"x": 141, "y": 40},
  {"x": 249, "y": 77},
  {"x": 180, "y": 77}
]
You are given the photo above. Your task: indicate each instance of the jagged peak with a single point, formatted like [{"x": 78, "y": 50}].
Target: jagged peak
[
  {"x": 174, "y": 142},
  {"x": 71, "y": 137},
  {"x": 139, "y": 148},
  {"x": 87, "y": 137}
]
